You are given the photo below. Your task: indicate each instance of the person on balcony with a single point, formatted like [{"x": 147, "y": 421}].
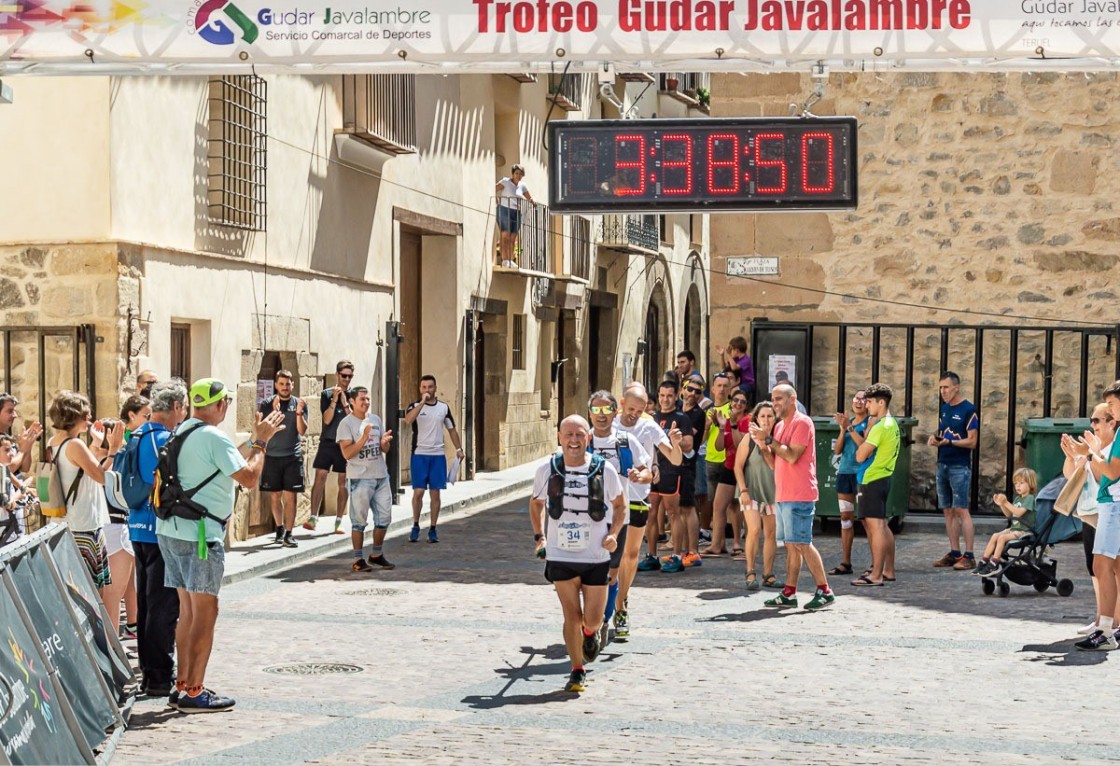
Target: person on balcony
[{"x": 511, "y": 195}]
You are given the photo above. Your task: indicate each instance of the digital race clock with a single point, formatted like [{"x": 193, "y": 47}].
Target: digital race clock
[{"x": 741, "y": 163}]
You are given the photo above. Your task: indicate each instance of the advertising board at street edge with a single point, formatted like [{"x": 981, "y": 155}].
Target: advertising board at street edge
[{"x": 513, "y": 35}]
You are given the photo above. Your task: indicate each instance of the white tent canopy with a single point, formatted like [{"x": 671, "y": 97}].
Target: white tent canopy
[{"x": 198, "y": 36}]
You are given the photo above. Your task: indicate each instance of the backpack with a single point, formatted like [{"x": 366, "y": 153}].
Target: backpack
[
  {"x": 135, "y": 490},
  {"x": 625, "y": 454},
  {"x": 169, "y": 497},
  {"x": 52, "y": 496},
  {"x": 596, "y": 506}
]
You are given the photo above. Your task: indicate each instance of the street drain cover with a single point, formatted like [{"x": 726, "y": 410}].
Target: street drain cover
[
  {"x": 373, "y": 592},
  {"x": 313, "y": 669}
]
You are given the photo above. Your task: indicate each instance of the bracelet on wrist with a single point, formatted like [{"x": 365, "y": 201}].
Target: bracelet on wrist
[{"x": 257, "y": 444}]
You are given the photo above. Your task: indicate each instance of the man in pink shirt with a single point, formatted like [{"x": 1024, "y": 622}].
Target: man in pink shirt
[{"x": 791, "y": 451}]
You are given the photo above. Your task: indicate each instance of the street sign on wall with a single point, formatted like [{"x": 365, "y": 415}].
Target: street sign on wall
[{"x": 144, "y": 36}]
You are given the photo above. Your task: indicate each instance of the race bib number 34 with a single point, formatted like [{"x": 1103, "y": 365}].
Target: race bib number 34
[{"x": 574, "y": 535}]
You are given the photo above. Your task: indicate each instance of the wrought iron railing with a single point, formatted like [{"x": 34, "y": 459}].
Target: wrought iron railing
[
  {"x": 567, "y": 91},
  {"x": 529, "y": 248},
  {"x": 630, "y": 231}
]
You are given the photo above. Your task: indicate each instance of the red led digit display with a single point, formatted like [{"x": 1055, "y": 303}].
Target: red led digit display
[
  {"x": 676, "y": 163},
  {"x": 723, "y": 163},
  {"x": 630, "y": 164},
  {"x": 689, "y": 165}
]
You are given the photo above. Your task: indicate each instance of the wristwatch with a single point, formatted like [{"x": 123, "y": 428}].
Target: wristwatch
[{"x": 769, "y": 440}]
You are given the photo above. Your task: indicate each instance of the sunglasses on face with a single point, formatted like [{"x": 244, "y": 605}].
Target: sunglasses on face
[
  {"x": 693, "y": 390},
  {"x": 605, "y": 410},
  {"x": 739, "y": 401},
  {"x": 1095, "y": 421},
  {"x": 859, "y": 398}
]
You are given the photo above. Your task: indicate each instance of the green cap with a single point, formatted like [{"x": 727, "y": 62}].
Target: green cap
[{"x": 207, "y": 391}]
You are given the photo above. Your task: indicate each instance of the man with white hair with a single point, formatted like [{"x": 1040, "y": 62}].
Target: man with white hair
[
  {"x": 577, "y": 511},
  {"x": 791, "y": 451},
  {"x": 631, "y": 420}
]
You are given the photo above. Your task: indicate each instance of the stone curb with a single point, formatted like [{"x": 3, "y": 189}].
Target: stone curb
[{"x": 342, "y": 542}]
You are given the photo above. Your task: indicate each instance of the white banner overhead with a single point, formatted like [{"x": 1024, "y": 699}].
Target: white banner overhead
[{"x": 154, "y": 36}]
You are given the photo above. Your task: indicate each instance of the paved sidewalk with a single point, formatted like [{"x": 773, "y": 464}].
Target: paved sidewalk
[
  {"x": 260, "y": 555},
  {"x": 455, "y": 658}
]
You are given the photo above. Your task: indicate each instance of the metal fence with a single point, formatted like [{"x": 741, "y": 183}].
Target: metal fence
[
  {"x": 630, "y": 231},
  {"x": 532, "y": 248},
  {"x": 237, "y": 153}
]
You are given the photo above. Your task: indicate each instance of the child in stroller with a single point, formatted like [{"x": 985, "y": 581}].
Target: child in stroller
[
  {"x": 1021, "y": 511},
  {"x": 1025, "y": 560}
]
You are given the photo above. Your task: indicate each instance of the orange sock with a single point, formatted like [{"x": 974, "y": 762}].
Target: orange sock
[{"x": 194, "y": 691}]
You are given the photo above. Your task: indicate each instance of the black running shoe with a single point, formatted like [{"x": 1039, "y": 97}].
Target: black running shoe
[
  {"x": 577, "y": 681},
  {"x": 279, "y": 535},
  {"x": 382, "y": 562},
  {"x": 1100, "y": 641},
  {"x": 289, "y": 541},
  {"x": 591, "y": 646},
  {"x": 360, "y": 565}
]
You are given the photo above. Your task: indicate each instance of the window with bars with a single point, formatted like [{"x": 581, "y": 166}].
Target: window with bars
[
  {"x": 237, "y": 152},
  {"x": 181, "y": 351},
  {"x": 518, "y": 339},
  {"x": 381, "y": 109}
]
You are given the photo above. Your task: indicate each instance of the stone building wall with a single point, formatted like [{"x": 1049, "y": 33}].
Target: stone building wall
[{"x": 985, "y": 193}]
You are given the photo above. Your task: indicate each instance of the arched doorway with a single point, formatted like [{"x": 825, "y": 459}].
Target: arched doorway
[
  {"x": 692, "y": 321},
  {"x": 656, "y": 335}
]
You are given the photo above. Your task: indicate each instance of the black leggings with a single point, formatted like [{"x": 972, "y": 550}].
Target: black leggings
[{"x": 1088, "y": 537}]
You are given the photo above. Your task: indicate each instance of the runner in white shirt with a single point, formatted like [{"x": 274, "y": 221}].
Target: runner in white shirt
[
  {"x": 626, "y": 454},
  {"x": 577, "y": 535},
  {"x": 632, "y": 419}
]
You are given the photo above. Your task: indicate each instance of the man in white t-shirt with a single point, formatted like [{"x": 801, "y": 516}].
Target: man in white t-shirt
[
  {"x": 576, "y": 510},
  {"x": 511, "y": 193},
  {"x": 364, "y": 441},
  {"x": 631, "y": 419},
  {"x": 428, "y": 418}
]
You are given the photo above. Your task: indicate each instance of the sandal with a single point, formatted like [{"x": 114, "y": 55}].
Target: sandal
[
  {"x": 739, "y": 555},
  {"x": 752, "y": 584},
  {"x": 712, "y": 552},
  {"x": 865, "y": 580},
  {"x": 843, "y": 569},
  {"x": 770, "y": 581}
]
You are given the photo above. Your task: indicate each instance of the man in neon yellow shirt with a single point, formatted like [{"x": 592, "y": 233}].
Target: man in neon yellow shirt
[
  {"x": 884, "y": 441},
  {"x": 719, "y": 494}
]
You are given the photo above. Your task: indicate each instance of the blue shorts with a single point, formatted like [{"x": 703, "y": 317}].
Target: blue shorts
[
  {"x": 846, "y": 484},
  {"x": 370, "y": 497},
  {"x": 429, "y": 471},
  {"x": 1107, "y": 539},
  {"x": 182, "y": 568},
  {"x": 797, "y": 522},
  {"x": 954, "y": 483},
  {"x": 509, "y": 219}
]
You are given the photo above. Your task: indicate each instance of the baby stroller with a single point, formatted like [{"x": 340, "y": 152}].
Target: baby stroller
[{"x": 1025, "y": 561}]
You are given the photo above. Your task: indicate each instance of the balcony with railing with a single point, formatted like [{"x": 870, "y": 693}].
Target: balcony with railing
[
  {"x": 381, "y": 109},
  {"x": 566, "y": 92},
  {"x": 630, "y": 233},
  {"x": 523, "y": 237},
  {"x": 690, "y": 88},
  {"x": 572, "y": 246}
]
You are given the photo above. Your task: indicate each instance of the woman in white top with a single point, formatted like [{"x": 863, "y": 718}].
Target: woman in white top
[
  {"x": 1104, "y": 427},
  {"x": 84, "y": 469},
  {"x": 511, "y": 191}
]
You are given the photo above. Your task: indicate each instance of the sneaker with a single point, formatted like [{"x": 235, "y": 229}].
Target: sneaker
[
  {"x": 1099, "y": 641},
  {"x": 289, "y": 541},
  {"x": 995, "y": 569},
  {"x": 382, "y": 562},
  {"x": 692, "y": 560},
  {"x": 604, "y": 635},
  {"x": 621, "y": 624},
  {"x": 947, "y": 560},
  {"x": 983, "y": 568},
  {"x": 820, "y": 600},
  {"x": 663, "y": 538},
  {"x": 279, "y": 535},
  {"x": 311, "y": 524},
  {"x": 965, "y": 564},
  {"x": 674, "y": 564},
  {"x": 159, "y": 690},
  {"x": 649, "y": 564},
  {"x": 781, "y": 602},
  {"x": 360, "y": 565},
  {"x": 338, "y": 525},
  {"x": 705, "y": 535},
  {"x": 206, "y": 702},
  {"x": 577, "y": 681},
  {"x": 414, "y": 533},
  {"x": 128, "y": 632},
  {"x": 432, "y": 536},
  {"x": 591, "y": 646},
  {"x": 1088, "y": 630},
  {"x": 173, "y": 699}
]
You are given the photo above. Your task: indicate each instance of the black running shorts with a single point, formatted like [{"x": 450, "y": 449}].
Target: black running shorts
[
  {"x": 329, "y": 457},
  {"x": 871, "y": 501},
  {"x": 282, "y": 474},
  {"x": 587, "y": 574}
]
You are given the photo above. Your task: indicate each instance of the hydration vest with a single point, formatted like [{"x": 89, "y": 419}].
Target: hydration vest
[
  {"x": 596, "y": 506},
  {"x": 625, "y": 454}
]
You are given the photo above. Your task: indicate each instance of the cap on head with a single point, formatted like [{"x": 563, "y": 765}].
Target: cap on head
[{"x": 207, "y": 391}]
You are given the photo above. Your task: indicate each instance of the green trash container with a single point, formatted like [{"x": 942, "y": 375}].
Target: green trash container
[
  {"x": 898, "y": 503},
  {"x": 1042, "y": 443}
]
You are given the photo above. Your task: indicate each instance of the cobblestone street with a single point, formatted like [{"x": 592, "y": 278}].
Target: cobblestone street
[{"x": 461, "y": 662}]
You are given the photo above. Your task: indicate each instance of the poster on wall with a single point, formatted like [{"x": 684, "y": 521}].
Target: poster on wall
[
  {"x": 782, "y": 368},
  {"x": 265, "y": 389},
  {"x": 465, "y": 35}
]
